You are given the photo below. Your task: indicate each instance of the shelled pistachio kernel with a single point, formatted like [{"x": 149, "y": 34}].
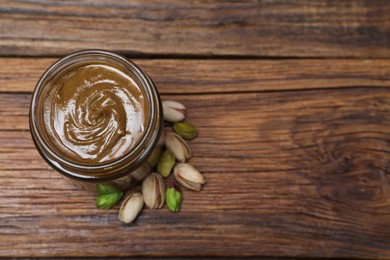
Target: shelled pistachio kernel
[
  {"x": 186, "y": 130},
  {"x": 154, "y": 157},
  {"x": 166, "y": 163},
  {"x": 173, "y": 197},
  {"x": 104, "y": 188},
  {"x": 107, "y": 201},
  {"x": 108, "y": 195}
]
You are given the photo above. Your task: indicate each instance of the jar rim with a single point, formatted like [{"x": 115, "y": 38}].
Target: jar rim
[{"x": 154, "y": 121}]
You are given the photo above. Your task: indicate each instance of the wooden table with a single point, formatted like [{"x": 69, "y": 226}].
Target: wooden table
[{"x": 292, "y": 103}]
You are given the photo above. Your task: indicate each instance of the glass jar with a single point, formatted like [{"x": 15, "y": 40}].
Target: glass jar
[{"x": 119, "y": 170}]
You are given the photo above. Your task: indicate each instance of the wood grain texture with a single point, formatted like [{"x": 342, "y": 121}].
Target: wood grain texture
[
  {"x": 223, "y": 76},
  {"x": 292, "y": 173},
  {"x": 296, "y": 152},
  {"x": 304, "y": 28}
]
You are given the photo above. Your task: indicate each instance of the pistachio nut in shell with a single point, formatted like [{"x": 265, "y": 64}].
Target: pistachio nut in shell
[
  {"x": 186, "y": 130},
  {"x": 141, "y": 172},
  {"x": 123, "y": 183},
  {"x": 189, "y": 177},
  {"x": 178, "y": 146},
  {"x": 173, "y": 111},
  {"x": 153, "y": 191},
  {"x": 131, "y": 207}
]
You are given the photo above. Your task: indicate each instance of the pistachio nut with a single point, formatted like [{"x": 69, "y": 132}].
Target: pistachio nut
[
  {"x": 131, "y": 207},
  {"x": 173, "y": 111},
  {"x": 153, "y": 190},
  {"x": 178, "y": 146},
  {"x": 108, "y": 200},
  {"x": 173, "y": 197},
  {"x": 154, "y": 157},
  {"x": 166, "y": 163},
  {"x": 123, "y": 183},
  {"x": 186, "y": 130},
  {"x": 141, "y": 172},
  {"x": 187, "y": 176},
  {"x": 104, "y": 188}
]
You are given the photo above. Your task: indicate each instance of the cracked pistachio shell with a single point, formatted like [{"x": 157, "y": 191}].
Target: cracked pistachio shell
[
  {"x": 186, "y": 130},
  {"x": 187, "y": 176},
  {"x": 178, "y": 146},
  {"x": 166, "y": 163},
  {"x": 153, "y": 191},
  {"x": 173, "y": 111},
  {"x": 131, "y": 207},
  {"x": 141, "y": 172}
]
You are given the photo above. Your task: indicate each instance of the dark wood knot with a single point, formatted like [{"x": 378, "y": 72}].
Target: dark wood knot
[{"x": 346, "y": 153}]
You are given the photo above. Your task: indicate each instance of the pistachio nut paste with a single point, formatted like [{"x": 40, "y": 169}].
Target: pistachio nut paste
[{"x": 94, "y": 113}]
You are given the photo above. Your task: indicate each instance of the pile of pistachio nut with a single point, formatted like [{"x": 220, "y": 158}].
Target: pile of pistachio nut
[{"x": 162, "y": 162}]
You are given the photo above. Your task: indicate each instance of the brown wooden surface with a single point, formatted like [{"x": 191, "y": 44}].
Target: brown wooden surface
[
  {"x": 305, "y": 28},
  {"x": 296, "y": 173},
  {"x": 227, "y": 75},
  {"x": 295, "y": 148}
]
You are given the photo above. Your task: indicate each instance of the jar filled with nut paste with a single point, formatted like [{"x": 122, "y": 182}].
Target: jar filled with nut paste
[{"x": 96, "y": 117}]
